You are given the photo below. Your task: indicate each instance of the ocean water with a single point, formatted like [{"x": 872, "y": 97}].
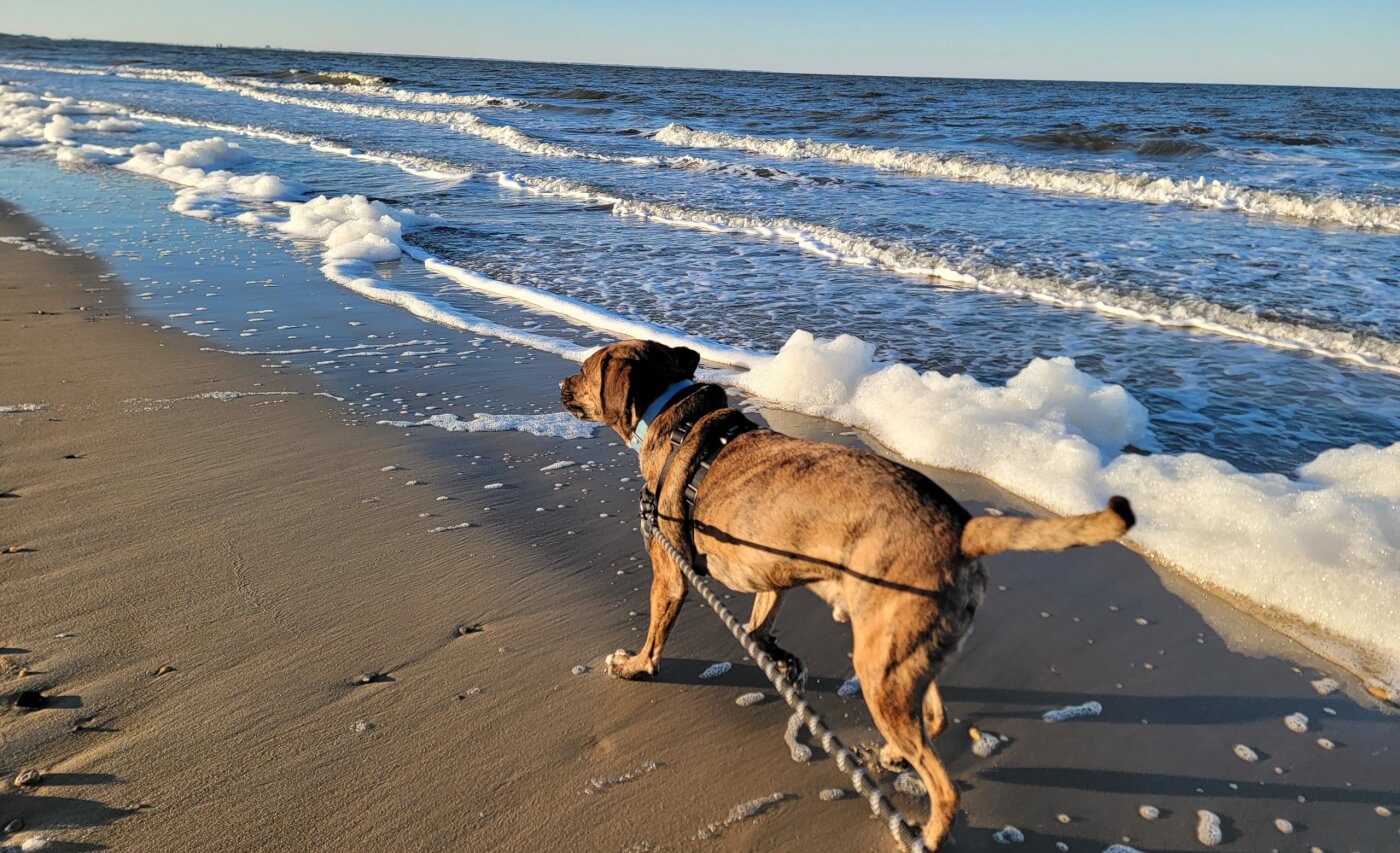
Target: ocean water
[{"x": 1221, "y": 263}]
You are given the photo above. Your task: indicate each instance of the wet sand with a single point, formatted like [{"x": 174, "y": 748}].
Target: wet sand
[{"x": 252, "y": 550}]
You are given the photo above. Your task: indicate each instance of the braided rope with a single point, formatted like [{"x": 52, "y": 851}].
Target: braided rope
[{"x": 880, "y": 805}]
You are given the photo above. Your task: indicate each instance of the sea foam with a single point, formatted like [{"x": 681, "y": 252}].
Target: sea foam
[{"x": 1198, "y": 192}]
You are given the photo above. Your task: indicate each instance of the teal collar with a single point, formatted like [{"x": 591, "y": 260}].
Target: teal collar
[{"x": 664, "y": 399}]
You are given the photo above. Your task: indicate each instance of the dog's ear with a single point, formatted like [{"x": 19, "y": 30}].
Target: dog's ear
[
  {"x": 615, "y": 391},
  {"x": 683, "y": 361}
]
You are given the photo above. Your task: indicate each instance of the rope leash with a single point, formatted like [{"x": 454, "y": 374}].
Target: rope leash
[{"x": 880, "y": 805}]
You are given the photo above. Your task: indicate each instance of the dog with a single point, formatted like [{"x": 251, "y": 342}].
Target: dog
[{"x": 884, "y": 546}]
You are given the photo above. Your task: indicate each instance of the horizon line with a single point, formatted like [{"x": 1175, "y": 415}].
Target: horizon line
[{"x": 223, "y": 46}]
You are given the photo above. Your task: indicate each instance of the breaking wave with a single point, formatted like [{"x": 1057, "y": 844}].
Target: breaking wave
[{"x": 1198, "y": 192}]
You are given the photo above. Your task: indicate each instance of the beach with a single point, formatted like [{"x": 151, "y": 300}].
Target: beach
[{"x": 208, "y": 556}]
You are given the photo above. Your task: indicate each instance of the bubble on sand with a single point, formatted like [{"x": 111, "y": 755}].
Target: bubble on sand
[
  {"x": 1296, "y": 722},
  {"x": 1245, "y": 753},
  {"x": 444, "y": 529},
  {"x": 1208, "y": 830},
  {"x": 580, "y": 669},
  {"x": 1008, "y": 835},
  {"x": 748, "y": 700},
  {"x": 1326, "y": 686},
  {"x": 1147, "y": 812},
  {"x": 389, "y": 468},
  {"x": 35, "y": 844},
  {"x": 1284, "y": 826},
  {"x": 1070, "y": 712},
  {"x": 741, "y": 812},
  {"x": 599, "y": 784},
  {"x": 984, "y": 744},
  {"x": 1118, "y": 848},
  {"x": 849, "y": 687},
  {"x": 362, "y": 726},
  {"x": 1326, "y": 743},
  {"x": 1062, "y": 818},
  {"x": 831, "y": 794},
  {"x": 909, "y": 784},
  {"x": 1383, "y": 811},
  {"x": 715, "y": 670}
]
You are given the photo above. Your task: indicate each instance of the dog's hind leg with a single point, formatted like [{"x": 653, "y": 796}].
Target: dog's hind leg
[
  {"x": 667, "y": 595},
  {"x": 765, "y": 611},
  {"x": 896, "y": 693}
]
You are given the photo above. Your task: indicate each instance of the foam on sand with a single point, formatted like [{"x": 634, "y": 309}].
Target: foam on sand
[
  {"x": 1317, "y": 556},
  {"x": 1141, "y": 187},
  {"x": 551, "y": 425}
]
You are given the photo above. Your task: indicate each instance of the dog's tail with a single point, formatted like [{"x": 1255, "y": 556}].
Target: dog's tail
[{"x": 988, "y": 534}]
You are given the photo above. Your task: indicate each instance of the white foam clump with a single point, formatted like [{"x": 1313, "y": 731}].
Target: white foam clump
[
  {"x": 34, "y": 844},
  {"x": 201, "y": 167},
  {"x": 1208, "y": 830},
  {"x": 1141, "y": 187},
  {"x": 16, "y": 408},
  {"x": 1245, "y": 753},
  {"x": 849, "y": 687},
  {"x": 550, "y": 425},
  {"x": 1120, "y": 848},
  {"x": 111, "y": 125},
  {"x": 59, "y": 128},
  {"x": 748, "y": 700},
  {"x": 1283, "y": 826},
  {"x": 556, "y": 466},
  {"x": 1320, "y": 550},
  {"x": 1296, "y": 722},
  {"x": 742, "y": 812},
  {"x": 1071, "y": 712},
  {"x": 909, "y": 784},
  {"x": 1326, "y": 686},
  {"x": 1147, "y": 812},
  {"x": 984, "y": 744},
  {"x": 354, "y": 232},
  {"x": 715, "y": 670},
  {"x": 1008, "y": 835}
]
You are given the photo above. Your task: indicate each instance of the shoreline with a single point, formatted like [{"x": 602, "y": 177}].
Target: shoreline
[{"x": 247, "y": 543}]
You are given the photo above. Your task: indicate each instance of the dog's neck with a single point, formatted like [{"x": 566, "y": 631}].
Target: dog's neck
[{"x": 670, "y": 394}]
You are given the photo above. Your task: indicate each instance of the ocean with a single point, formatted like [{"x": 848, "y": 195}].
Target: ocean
[{"x": 1187, "y": 293}]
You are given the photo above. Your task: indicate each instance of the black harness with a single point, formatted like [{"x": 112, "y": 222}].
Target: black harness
[{"x": 714, "y": 435}]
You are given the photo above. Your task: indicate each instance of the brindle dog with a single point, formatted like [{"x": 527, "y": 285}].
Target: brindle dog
[{"x": 883, "y": 545}]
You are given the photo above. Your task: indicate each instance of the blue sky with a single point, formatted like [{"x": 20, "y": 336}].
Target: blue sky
[{"x": 1340, "y": 42}]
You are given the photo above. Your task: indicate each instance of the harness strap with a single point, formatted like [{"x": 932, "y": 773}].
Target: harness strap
[{"x": 718, "y": 431}]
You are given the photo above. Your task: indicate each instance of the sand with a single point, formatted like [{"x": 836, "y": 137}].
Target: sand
[{"x": 200, "y": 580}]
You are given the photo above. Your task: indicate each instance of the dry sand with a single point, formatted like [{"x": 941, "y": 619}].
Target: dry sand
[{"x": 254, "y": 547}]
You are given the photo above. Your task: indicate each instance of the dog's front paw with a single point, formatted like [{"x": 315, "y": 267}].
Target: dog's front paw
[{"x": 624, "y": 664}]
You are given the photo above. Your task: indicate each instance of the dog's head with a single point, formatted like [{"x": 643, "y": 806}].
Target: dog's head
[{"x": 618, "y": 382}]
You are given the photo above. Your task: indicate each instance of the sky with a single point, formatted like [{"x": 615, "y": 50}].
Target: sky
[{"x": 1325, "y": 42}]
